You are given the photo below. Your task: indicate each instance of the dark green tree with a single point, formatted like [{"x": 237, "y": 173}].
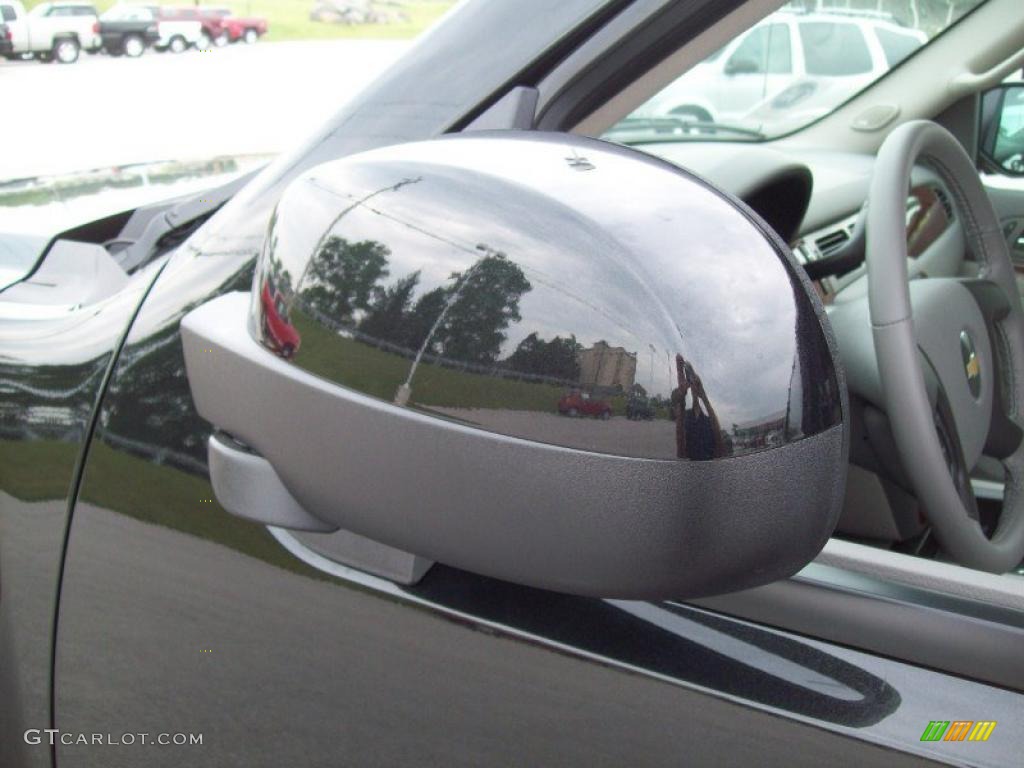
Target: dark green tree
[
  {"x": 344, "y": 276},
  {"x": 389, "y": 315},
  {"x": 557, "y": 357},
  {"x": 485, "y": 302},
  {"x": 422, "y": 318}
]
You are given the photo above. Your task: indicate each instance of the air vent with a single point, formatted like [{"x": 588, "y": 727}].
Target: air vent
[
  {"x": 828, "y": 244},
  {"x": 947, "y": 206}
]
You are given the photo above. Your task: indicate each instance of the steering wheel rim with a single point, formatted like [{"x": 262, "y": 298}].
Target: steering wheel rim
[{"x": 902, "y": 357}]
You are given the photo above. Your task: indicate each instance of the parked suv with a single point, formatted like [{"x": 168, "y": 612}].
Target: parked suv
[
  {"x": 212, "y": 23},
  {"x": 51, "y": 31},
  {"x": 577, "y": 403},
  {"x": 792, "y": 56}
]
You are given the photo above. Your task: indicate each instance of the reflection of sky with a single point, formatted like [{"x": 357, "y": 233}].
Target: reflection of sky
[
  {"x": 76, "y": 336},
  {"x": 572, "y": 291},
  {"x": 705, "y": 283},
  {"x": 65, "y": 209}
]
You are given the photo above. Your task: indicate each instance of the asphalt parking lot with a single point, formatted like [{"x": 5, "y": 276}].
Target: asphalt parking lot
[{"x": 105, "y": 111}]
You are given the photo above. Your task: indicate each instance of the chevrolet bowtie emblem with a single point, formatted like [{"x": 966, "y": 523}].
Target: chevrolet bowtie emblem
[{"x": 579, "y": 162}]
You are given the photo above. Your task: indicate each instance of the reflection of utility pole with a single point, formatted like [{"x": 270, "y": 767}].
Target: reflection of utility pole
[
  {"x": 651, "y": 391},
  {"x": 405, "y": 390},
  {"x": 289, "y": 300}
]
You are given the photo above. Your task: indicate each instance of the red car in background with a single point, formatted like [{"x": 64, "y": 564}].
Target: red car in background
[
  {"x": 277, "y": 331},
  {"x": 6, "y": 41},
  {"x": 578, "y": 403},
  {"x": 248, "y": 29}
]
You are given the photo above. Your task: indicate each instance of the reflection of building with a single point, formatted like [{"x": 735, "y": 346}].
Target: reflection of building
[
  {"x": 605, "y": 366},
  {"x": 763, "y": 433}
]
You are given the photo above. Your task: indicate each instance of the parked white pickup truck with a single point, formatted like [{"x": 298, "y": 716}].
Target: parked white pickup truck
[{"x": 51, "y": 31}]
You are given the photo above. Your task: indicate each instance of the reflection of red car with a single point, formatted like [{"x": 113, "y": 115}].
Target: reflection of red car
[
  {"x": 578, "y": 403},
  {"x": 277, "y": 331},
  {"x": 248, "y": 29}
]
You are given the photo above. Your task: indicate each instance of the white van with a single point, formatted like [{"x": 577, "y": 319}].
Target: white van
[{"x": 835, "y": 53}]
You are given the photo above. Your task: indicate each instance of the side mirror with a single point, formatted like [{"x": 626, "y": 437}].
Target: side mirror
[
  {"x": 424, "y": 319},
  {"x": 1002, "y": 129},
  {"x": 741, "y": 66}
]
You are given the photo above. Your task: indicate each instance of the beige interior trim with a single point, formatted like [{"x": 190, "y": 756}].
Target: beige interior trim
[{"x": 1005, "y": 590}]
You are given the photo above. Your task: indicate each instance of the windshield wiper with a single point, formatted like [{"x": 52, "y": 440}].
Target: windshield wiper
[{"x": 172, "y": 226}]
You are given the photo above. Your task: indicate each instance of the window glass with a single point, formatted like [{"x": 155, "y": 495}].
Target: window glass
[
  {"x": 896, "y": 45},
  {"x": 127, "y": 13},
  {"x": 834, "y": 49},
  {"x": 803, "y": 62},
  {"x": 7, "y": 12},
  {"x": 765, "y": 49}
]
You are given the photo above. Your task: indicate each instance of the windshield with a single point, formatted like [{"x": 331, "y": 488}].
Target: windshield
[
  {"x": 797, "y": 65},
  {"x": 127, "y": 13}
]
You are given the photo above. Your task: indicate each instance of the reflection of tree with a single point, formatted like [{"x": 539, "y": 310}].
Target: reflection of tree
[
  {"x": 149, "y": 402},
  {"x": 423, "y": 316},
  {"x": 469, "y": 317},
  {"x": 487, "y": 303},
  {"x": 465, "y": 320},
  {"x": 343, "y": 276},
  {"x": 388, "y": 317},
  {"x": 462, "y": 321},
  {"x": 558, "y": 357}
]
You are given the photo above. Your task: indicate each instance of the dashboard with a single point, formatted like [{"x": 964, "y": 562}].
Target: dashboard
[{"x": 813, "y": 201}]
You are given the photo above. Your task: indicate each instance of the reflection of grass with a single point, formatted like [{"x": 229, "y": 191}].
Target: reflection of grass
[
  {"x": 174, "y": 499},
  {"x": 39, "y": 470},
  {"x": 289, "y": 19},
  {"x": 380, "y": 373}
]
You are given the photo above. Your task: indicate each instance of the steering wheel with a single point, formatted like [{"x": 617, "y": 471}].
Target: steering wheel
[{"x": 950, "y": 351}]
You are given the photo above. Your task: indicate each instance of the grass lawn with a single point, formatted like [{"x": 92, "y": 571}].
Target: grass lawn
[
  {"x": 289, "y": 19},
  {"x": 177, "y": 500}
]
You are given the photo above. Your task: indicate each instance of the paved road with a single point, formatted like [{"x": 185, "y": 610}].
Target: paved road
[{"x": 104, "y": 111}]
